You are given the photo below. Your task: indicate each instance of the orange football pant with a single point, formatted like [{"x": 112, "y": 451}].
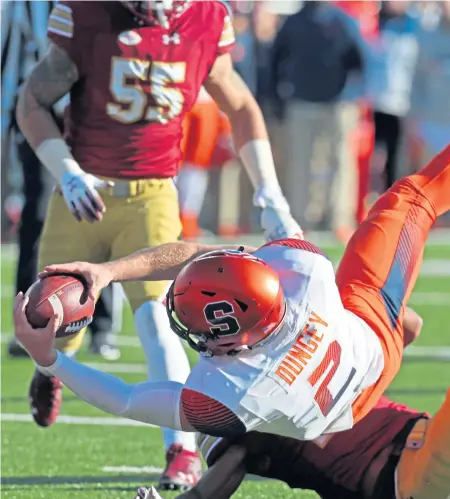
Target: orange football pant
[
  {"x": 383, "y": 258},
  {"x": 201, "y": 128},
  {"x": 423, "y": 471}
]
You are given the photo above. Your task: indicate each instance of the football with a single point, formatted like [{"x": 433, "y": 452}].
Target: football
[{"x": 62, "y": 294}]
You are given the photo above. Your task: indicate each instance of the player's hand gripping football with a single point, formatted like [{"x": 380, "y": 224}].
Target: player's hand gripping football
[
  {"x": 39, "y": 343},
  {"x": 96, "y": 276},
  {"x": 81, "y": 196},
  {"x": 276, "y": 219}
]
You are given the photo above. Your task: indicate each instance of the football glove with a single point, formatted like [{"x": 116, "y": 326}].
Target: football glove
[
  {"x": 81, "y": 196},
  {"x": 276, "y": 219}
]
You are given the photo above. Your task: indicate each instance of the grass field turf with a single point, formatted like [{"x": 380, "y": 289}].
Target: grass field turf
[{"x": 100, "y": 461}]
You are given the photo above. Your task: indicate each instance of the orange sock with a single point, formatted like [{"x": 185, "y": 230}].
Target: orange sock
[{"x": 190, "y": 225}]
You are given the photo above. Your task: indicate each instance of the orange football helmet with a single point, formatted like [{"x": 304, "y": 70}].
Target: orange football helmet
[{"x": 226, "y": 301}]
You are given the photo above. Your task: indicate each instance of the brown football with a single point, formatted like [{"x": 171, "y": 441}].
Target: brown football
[{"x": 62, "y": 294}]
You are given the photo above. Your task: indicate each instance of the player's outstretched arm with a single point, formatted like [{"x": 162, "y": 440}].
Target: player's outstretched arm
[
  {"x": 155, "y": 403},
  {"x": 160, "y": 263},
  {"x": 51, "y": 79},
  {"x": 251, "y": 140}
]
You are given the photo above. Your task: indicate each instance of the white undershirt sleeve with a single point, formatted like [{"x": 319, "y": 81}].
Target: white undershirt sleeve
[{"x": 153, "y": 402}]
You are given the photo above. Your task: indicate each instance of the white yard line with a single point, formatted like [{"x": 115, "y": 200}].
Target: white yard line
[
  {"x": 435, "y": 268},
  {"x": 433, "y": 298},
  {"x": 128, "y": 341},
  {"x": 433, "y": 353},
  {"x": 77, "y": 420}
]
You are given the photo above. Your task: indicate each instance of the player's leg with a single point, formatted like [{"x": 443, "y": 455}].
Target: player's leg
[
  {"x": 63, "y": 240},
  {"x": 106, "y": 323},
  {"x": 383, "y": 258},
  {"x": 152, "y": 218},
  {"x": 423, "y": 471},
  {"x": 192, "y": 181}
]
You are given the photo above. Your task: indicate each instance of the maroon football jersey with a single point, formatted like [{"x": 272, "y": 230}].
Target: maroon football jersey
[
  {"x": 135, "y": 82},
  {"x": 347, "y": 455},
  {"x": 336, "y": 469}
]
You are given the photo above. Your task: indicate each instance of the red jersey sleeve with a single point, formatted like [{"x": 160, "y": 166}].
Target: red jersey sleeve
[
  {"x": 66, "y": 30},
  {"x": 227, "y": 37}
]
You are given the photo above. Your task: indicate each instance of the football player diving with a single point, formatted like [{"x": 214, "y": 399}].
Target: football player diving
[{"x": 287, "y": 347}]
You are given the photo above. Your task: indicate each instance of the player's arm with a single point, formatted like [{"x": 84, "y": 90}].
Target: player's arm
[
  {"x": 220, "y": 481},
  {"x": 50, "y": 80},
  {"x": 412, "y": 326},
  {"x": 233, "y": 96},
  {"x": 155, "y": 403},
  {"x": 223, "y": 478},
  {"x": 159, "y": 263},
  {"x": 162, "y": 263}
]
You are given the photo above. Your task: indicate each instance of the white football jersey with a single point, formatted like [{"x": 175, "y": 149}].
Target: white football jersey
[{"x": 300, "y": 382}]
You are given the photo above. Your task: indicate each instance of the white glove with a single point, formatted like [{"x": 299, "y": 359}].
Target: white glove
[
  {"x": 81, "y": 196},
  {"x": 147, "y": 493},
  {"x": 279, "y": 224},
  {"x": 276, "y": 219}
]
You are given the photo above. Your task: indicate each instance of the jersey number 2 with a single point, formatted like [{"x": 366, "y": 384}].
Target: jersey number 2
[
  {"x": 133, "y": 81},
  {"x": 323, "y": 396}
]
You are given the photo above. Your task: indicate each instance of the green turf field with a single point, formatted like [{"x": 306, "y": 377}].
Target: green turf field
[{"x": 83, "y": 456}]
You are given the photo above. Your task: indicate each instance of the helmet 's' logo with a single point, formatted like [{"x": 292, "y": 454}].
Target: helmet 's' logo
[
  {"x": 221, "y": 319},
  {"x": 130, "y": 38}
]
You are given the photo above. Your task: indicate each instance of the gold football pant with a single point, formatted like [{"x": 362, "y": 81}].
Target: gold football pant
[
  {"x": 139, "y": 214},
  {"x": 423, "y": 471}
]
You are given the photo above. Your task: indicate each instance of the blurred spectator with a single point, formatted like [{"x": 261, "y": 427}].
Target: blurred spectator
[
  {"x": 243, "y": 53},
  {"x": 265, "y": 28},
  {"x": 391, "y": 82},
  {"x": 431, "y": 90},
  {"x": 315, "y": 53}
]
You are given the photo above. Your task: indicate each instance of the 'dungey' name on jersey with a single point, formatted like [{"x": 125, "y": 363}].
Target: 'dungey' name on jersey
[
  {"x": 301, "y": 353},
  {"x": 301, "y": 382}
]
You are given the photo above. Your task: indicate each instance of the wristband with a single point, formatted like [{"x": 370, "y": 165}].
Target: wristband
[{"x": 55, "y": 155}]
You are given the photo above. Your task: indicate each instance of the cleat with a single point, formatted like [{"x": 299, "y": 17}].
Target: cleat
[
  {"x": 183, "y": 469},
  {"x": 45, "y": 399}
]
